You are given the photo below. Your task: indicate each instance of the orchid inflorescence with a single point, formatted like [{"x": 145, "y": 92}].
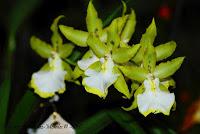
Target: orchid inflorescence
[{"x": 110, "y": 60}]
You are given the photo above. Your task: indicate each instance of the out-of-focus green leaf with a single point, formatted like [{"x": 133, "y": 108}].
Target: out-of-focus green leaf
[
  {"x": 94, "y": 124},
  {"x": 22, "y": 112},
  {"x": 78, "y": 37},
  {"x": 147, "y": 39},
  {"x": 56, "y": 38},
  {"x": 164, "y": 70},
  {"x": 129, "y": 27},
  {"x": 41, "y": 47},
  {"x": 121, "y": 85},
  {"x": 73, "y": 58},
  {"x": 126, "y": 121},
  {"x": 4, "y": 100},
  {"x": 20, "y": 11},
  {"x": 135, "y": 73},
  {"x": 159, "y": 130},
  {"x": 113, "y": 14},
  {"x": 123, "y": 55},
  {"x": 94, "y": 24},
  {"x": 163, "y": 51},
  {"x": 98, "y": 47},
  {"x": 65, "y": 50}
]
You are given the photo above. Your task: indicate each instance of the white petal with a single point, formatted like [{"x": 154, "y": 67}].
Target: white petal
[
  {"x": 156, "y": 101},
  {"x": 85, "y": 63},
  {"x": 62, "y": 127},
  {"x": 101, "y": 80},
  {"x": 47, "y": 82}
]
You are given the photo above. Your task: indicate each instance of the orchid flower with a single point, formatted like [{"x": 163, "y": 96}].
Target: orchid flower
[
  {"x": 108, "y": 47},
  {"x": 50, "y": 79},
  {"x": 151, "y": 82}
]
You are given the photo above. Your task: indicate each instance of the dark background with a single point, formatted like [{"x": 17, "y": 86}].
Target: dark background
[{"x": 182, "y": 24}]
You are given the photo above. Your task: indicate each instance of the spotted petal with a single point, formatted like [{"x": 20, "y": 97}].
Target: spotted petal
[
  {"x": 97, "y": 82},
  {"x": 49, "y": 80},
  {"x": 154, "y": 100}
]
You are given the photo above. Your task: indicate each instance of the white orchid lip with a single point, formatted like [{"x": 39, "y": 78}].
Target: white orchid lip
[
  {"x": 49, "y": 81},
  {"x": 97, "y": 82},
  {"x": 154, "y": 100},
  {"x": 85, "y": 63}
]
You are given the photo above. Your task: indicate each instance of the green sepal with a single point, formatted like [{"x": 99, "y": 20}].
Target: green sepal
[
  {"x": 103, "y": 35},
  {"x": 97, "y": 46},
  {"x": 113, "y": 36},
  {"x": 147, "y": 38},
  {"x": 164, "y": 70},
  {"x": 76, "y": 36},
  {"x": 149, "y": 60},
  {"x": 40, "y": 47},
  {"x": 94, "y": 24},
  {"x": 129, "y": 28},
  {"x": 134, "y": 105},
  {"x": 163, "y": 51},
  {"x": 134, "y": 73},
  {"x": 45, "y": 67},
  {"x": 56, "y": 38},
  {"x": 134, "y": 86},
  {"x": 65, "y": 50},
  {"x": 124, "y": 7},
  {"x": 96, "y": 66},
  {"x": 77, "y": 72},
  {"x": 169, "y": 82},
  {"x": 121, "y": 85},
  {"x": 67, "y": 68},
  {"x": 123, "y": 54}
]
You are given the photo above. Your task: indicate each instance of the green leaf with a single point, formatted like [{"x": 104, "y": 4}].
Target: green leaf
[
  {"x": 134, "y": 105},
  {"x": 22, "y": 112},
  {"x": 164, "y": 70},
  {"x": 147, "y": 39},
  {"x": 126, "y": 121},
  {"x": 135, "y": 73},
  {"x": 114, "y": 14},
  {"x": 65, "y": 50},
  {"x": 94, "y": 24},
  {"x": 149, "y": 60},
  {"x": 76, "y": 36},
  {"x": 4, "y": 100},
  {"x": 94, "y": 124},
  {"x": 165, "y": 50},
  {"x": 56, "y": 38},
  {"x": 129, "y": 28},
  {"x": 19, "y": 12},
  {"x": 121, "y": 85},
  {"x": 41, "y": 47},
  {"x": 98, "y": 47},
  {"x": 123, "y": 55}
]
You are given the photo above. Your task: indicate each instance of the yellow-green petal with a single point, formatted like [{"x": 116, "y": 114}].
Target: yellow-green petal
[
  {"x": 40, "y": 47},
  {"x": 78, "y": 37}
]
